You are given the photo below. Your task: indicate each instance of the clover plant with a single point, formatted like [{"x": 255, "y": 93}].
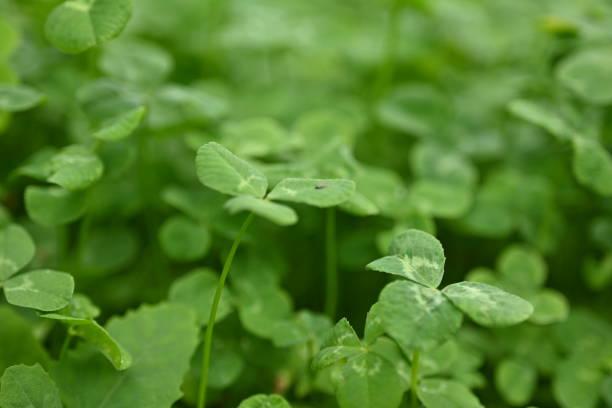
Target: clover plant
[{"x": 461, "y": 147}]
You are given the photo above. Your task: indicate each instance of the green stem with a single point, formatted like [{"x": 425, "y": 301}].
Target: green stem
[
  {"x": 65, "y": 345},
  {"x": 208, "y": 337},
  {"x": 387, "y": 67},
  {"x": 414, "y": 378},
  {"x": 331, "y": 265}
]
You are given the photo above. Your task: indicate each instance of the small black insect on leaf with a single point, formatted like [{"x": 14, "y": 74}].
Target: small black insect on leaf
[{"x": 320, "y": 186}]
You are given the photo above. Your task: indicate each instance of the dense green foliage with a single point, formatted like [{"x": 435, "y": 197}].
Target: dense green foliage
[{"x": 307, "y": 204}]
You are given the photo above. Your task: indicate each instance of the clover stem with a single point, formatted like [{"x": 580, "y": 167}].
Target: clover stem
[
  {"x": 331, "y": 266},
  {"x": 414, "y": 378},
  {"x": 208, "y": 337},
  {"x": 65, "y": 345},
  {"x": 387, "y": 66}
]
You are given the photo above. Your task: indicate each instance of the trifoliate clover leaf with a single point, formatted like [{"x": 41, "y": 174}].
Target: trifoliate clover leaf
[
  {"x": 264, "y": 401},
  {"x": 488, "y": 305},
  {"x": 221, "y": 170},
  {"x": 417, "y": 317},
  {"x": 316, "y": 192},
  {"x": 417, "y": 256},
  {"x": 121, "y": 126},
  {"x": 16, "y": 250},
  {"x": 53, "y": 206},
  {"x": 14, "y": 98},
  {"x": 44, "y": 289},
  {"x": 77, "y": 25},
  {"x": 28, "y": 386},
  {"x": 75, "y": 168},
  {"x": 277, "y": 213}
]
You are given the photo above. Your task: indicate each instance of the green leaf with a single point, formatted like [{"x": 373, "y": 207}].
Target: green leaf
[
  {"x": 16, "y": 250},
  {"x": 592, "y": 165},
  {"x": 43, "y": 289},
  {"x": 435, "y": 393},
  {"x": 77, "y": 25},
  {"x": 417, "y": 317},
  {"x": 17, "y": 341},
  {"x": 81, "y": 307},
  {"x": 255, "y": 137},
  {"x": 75, "y": 168},
  {"x": 93, "y": 333},
  {"x": 264, "y": 401},
  {"x": 221, "y": 170},
  {"x": 549, "y": 306},
  {"x": 277, "y": 213},
  {"x": 53, "y": 206},
  {"x": 135, "y": 62},
  {"x": 417, "y": 256},
  {"x": 184, "y": 240},
  {"x": 341, "y": 343},
  {"x": 15, "y": 98},
  {"x": 22, "y": 386},
  {"x": 587, "y": 72},
  {"x": 161, "y": 340},
  {"x": 516, "y": 381},
  {"x": 441, "y": 198},
  {"x": 488, "y": 305},
  {"x": 369, "y": 381},
  {"x": 316, "y": 192},
  {"x": 542, "y": 116},
  {"x": 576, "y": 384},
  {"x": 523, "y": 267},
  {"x": 196, "y": 290},
  {"x": 121, "y": 126}
]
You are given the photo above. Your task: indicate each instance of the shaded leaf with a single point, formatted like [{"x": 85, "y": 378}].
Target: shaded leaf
[
  {"x": 183, "y": 239},
  {"x": 14, "y": 98},
  {"x": 587, "y": 72},
  {"x": 53, "y": 206},
  {"x": 516, "y": 381},
  {"x": 592, "y": 165},
  {"x": 16, "y": 250},
  {"x": 277, "y": 213}
]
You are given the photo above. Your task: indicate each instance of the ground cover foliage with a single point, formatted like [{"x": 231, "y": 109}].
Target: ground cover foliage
[{"x": 320, "y": 204}]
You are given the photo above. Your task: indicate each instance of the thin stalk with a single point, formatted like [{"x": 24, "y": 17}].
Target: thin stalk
[
  {"x": 208, "y": 337},
  {"x": 387, "y": 66},
  {"x": 414, "y": 378},
  {"x": 331, "y": 264},
  {"x": 65, "y": 345}
]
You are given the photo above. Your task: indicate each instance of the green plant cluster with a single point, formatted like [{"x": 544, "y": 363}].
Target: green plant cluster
[{"x": 203, "y": 202}]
